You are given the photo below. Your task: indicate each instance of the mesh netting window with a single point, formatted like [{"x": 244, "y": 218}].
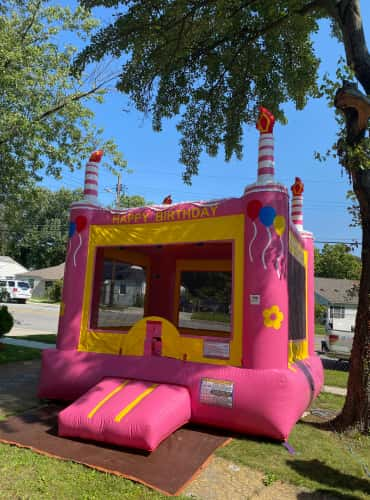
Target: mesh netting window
[
  {"x": 297, "y": 299},
  {"x": 120, "y": 294},
  {"x": 205, "y": 300}
]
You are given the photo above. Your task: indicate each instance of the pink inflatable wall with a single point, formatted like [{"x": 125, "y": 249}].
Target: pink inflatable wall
[{"x": 259, "y": 377}]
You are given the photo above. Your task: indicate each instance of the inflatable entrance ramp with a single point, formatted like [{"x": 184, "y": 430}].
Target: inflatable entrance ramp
[{"x": 124, "y": 412}]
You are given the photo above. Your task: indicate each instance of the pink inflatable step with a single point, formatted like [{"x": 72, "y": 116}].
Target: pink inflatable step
[{"x": 126, "y": 412}]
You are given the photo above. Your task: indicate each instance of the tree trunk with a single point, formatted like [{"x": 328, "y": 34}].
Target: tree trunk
[{"x": 356, "y": 411}]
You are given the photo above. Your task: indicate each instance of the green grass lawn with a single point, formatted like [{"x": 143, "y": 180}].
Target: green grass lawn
[
  {"x": 42, "y": 301},
  {"x": 11, "y": 353},
  {"x": 336, "y": 378},
  {"x": 319, "y": 329},
  {"x": 47, "y": 338},
  {"x": 25, "y": 474},
  {"x": 324, "y": 460}
]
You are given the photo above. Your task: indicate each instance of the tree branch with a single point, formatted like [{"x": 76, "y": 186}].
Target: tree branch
[
  {"x": 32, "y": 20},
  {"x": 61, "y": 105},
  {"x": 347, "y": 14},
  {"x": 202, "y": 48}
]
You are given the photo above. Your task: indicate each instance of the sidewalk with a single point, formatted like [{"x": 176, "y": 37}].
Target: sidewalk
[{"x": 339, "y": 391}]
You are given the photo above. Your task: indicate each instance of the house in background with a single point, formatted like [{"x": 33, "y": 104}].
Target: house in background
[
  {"x": 340, "y": 297},
  {"x": 122, "y": 285},
  {"x": 42, "y": 279},
  {"x": 9, "y": 267}
]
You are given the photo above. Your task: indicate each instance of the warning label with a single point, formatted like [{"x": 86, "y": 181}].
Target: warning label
[{"x": 216, "y": 392}]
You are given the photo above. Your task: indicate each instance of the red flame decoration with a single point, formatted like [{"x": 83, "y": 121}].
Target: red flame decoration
[
  {"x": 96, "y": 156},
  {"x": 266, "y": 121},
  {"x": 167, "y": 200},
  {"x": 298, "y": 187}
]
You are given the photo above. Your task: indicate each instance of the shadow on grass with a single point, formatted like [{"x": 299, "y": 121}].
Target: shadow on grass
[
  {"x": 335, "y": 364},
  {"x": 325, "y": 494},
  {"x": 324, "y": 474}
]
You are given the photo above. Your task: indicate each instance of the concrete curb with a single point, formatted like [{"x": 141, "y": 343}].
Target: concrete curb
[{"x": 340, "y": 391}]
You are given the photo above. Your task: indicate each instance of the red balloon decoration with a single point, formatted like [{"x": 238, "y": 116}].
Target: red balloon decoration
[
  {"x": 253, "y": 209},
  {"x": 81, "y": 223}
]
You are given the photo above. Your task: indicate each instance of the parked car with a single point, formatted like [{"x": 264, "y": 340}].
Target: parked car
[
  {"x": 338, "y": 344},
  {"x": 14, "y": 290}
]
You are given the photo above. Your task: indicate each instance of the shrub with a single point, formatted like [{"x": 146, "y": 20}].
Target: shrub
[
  {"x": 6, "y": 320},
  {"x": 320, "y": 313},
  {"x": 54, "y": 292}
]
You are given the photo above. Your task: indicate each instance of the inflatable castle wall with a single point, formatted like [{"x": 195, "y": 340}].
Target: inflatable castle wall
[{"x": 140, "y": 352}]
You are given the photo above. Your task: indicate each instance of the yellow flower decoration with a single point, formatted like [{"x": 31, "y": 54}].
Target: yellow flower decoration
[{"x": 273, "y": 317}]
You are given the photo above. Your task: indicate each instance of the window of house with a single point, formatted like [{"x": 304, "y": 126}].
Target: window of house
[
  {"x": 119, "y": 293},
  {"x": 337, "y": 312}
]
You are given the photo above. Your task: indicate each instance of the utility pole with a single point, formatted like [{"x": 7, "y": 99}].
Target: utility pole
[{"x": 118, "y": 191}]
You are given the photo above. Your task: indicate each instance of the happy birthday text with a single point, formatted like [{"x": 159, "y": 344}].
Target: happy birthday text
[{"x": 165, "y": 215}]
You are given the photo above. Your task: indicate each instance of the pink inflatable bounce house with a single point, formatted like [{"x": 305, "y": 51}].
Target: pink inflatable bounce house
[{"x": 196, "y": 311}]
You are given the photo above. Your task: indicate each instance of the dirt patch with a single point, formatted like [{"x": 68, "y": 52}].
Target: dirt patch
[
  {"x": 222, "y": 480},
  {"x": 18, "y": 386}
]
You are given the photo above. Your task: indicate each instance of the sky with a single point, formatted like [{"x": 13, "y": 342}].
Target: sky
[{"x": 156, "y": 171}]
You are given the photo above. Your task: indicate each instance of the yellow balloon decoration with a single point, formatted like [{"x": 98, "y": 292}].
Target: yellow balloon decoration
[{"x": 279, "y": 224}]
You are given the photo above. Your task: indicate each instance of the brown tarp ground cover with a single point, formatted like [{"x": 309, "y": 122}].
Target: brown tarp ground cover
[{"x": 168, "y": 469}]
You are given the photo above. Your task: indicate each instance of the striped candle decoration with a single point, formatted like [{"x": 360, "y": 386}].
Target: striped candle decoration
[
  {"x": 297, "y": 203},
  {"x": 265, "y": 125},
  {"x": 266, "y": 162},
  {"x": 91, "y": 177}
]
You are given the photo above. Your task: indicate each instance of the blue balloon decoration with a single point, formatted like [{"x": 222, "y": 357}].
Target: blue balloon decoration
[
  {"x": 72, "y": 229},
  {"x": 267, "y": 215}
]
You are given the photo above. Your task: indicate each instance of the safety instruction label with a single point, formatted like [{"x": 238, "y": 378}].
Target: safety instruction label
[
  {"x": 212, "y": 349},
  {"x": 216, "y": 392}
]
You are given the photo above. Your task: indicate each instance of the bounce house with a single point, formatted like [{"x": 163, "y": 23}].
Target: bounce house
[{"x": 196, "y": 312}]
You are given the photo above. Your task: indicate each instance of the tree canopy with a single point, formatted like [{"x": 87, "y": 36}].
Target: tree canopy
[
  {"x": 213, "y": 62},
  {"x": 36, "y": 231},
  {"x": 336, "y": 261},
  {"x": 132, "y": 201},
  {"x": 45, "y": 122}
]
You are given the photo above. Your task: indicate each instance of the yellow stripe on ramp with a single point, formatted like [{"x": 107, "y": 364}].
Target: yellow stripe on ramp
[
  {"x": 107, "y": 398},
  {"x": 134, "y": 403}
]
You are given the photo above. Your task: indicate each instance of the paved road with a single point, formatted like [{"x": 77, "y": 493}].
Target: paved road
[{"x": 34, "y": 318}]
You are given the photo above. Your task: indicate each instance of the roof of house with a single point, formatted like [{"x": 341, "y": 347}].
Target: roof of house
[
  {"x": 337, "y": 291},
  {"x": 47, "y": 273},
  {"x": 10, "y": 267},
  {"x": 5, "y": 258}
]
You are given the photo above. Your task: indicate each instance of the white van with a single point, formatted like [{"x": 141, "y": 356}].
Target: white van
[
  {"x": 339, "y": 344},
  {"x": 12, "y": 289}
]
